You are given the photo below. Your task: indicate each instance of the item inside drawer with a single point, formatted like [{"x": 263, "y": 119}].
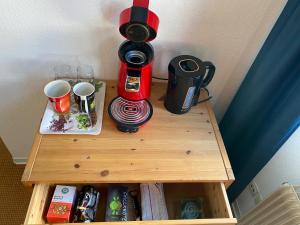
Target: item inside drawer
[
  {"x": 175, "y": 201},
  {"x": 195, "y": 201},
  {"x": 110, "y": 205}
]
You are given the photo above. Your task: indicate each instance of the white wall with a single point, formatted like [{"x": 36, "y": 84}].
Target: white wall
[
  {"x": 37, "y": 34},
  {"x": 283, "y": 167}
]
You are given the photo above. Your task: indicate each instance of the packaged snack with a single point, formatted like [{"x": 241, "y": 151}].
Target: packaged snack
[
  {"x": 86, "y": 206},
  {"x": 60, "y": 209},
  {"x": 134, "y": 206},
  {"x": 117, "y": 204},
  {"x": 153, "y": 202}
]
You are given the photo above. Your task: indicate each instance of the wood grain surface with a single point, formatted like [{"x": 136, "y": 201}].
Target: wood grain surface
[
  {"x": 170, "y": 148},
  {"x": 36, "y": 208}
]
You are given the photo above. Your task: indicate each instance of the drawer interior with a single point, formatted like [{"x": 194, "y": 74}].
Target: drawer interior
[
  {"x": 214, "y": 198},
  {"x": 213, "y": 195}
]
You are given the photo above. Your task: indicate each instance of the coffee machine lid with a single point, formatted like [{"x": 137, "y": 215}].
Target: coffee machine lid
[
  {"x": 130, "y": 115},
  {"x": 187, "y": 66},
  {"x": 138, "y": 23}
]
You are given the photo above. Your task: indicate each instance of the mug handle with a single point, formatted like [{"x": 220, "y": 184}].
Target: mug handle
[
  {"x": 84, "y": 105},
  {"x": 210, "y": 74}
]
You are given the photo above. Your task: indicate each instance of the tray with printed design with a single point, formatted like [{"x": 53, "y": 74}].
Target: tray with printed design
[{"x": 75, "y": 122}]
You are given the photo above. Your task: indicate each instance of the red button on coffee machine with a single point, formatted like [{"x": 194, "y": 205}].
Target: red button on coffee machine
[{"x": 139, "y": 25}]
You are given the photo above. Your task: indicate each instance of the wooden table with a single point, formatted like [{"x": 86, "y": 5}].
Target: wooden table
[{"x": 169, "y": 149}]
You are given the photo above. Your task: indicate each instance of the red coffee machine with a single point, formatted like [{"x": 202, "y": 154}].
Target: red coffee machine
[{"x": 139, "y": 25}]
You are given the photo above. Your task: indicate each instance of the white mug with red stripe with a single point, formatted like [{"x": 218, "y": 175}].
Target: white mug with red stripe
[{"x": 58, "y": 93}]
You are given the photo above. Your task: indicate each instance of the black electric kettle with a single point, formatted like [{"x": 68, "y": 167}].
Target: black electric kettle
[{"x": 187, "y": 75}]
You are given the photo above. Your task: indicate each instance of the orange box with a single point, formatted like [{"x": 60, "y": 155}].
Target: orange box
[{"x": 60, "y": 209}]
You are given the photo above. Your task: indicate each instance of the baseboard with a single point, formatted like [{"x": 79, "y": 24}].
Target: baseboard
[{"x": 20, "y": 160}]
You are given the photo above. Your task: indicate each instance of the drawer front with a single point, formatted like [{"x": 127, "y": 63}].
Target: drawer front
[
  {"x": 164, "y": 222},
  {"x": 37, "y": 205},
  {"x": 214, "y": 193}
]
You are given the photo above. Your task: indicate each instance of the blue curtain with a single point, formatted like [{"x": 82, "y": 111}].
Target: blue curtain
[{"x": 266, "y": 109}]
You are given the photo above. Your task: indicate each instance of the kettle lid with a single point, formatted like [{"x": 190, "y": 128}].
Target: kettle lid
[{"x": 187, "y": 66}]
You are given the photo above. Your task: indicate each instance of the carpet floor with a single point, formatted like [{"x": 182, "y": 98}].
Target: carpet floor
[{"x": 14, "y": 197}]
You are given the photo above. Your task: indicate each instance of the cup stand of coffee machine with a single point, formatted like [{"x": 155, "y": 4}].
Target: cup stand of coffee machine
[{"x": 131, "y": 108}]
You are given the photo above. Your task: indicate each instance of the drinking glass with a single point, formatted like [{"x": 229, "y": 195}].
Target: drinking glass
[
  {"x": 86, "y": 73},
  {"x": 65, "y": 72}
]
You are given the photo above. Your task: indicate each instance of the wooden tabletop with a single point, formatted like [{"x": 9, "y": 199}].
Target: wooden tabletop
[{"x": 170, "y": 148}]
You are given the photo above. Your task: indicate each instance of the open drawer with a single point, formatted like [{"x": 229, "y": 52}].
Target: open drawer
[{"x": 217, "y": 209}]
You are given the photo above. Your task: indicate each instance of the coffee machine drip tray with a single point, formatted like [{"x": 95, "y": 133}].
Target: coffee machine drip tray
[{"x": 130, "y": 115}]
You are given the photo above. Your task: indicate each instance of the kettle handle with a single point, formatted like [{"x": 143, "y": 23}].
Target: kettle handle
[
  {"x": 210, "y": 68},
  {"x": 210, "y": 72}
]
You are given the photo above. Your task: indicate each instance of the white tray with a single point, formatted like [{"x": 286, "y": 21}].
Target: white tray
[{"x": 72, "y": 126}]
